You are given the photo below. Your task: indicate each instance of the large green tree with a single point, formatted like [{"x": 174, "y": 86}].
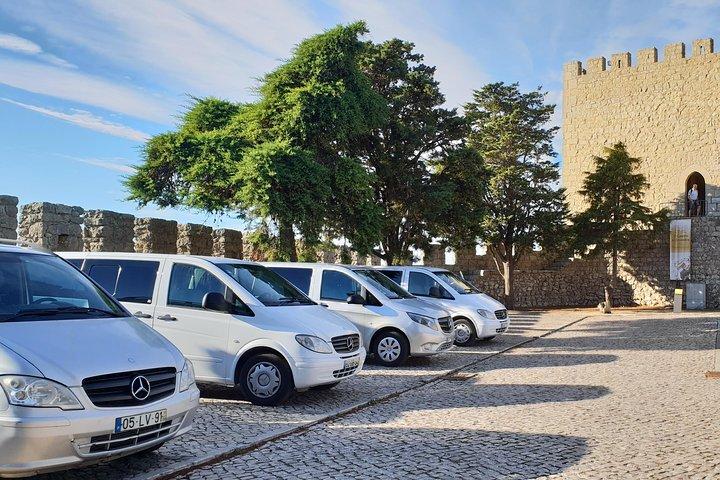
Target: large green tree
[
  {"x": 614, "y": 194},
  {"x": 519, "y": 205},
  {"x": 289, "y": 159},
  {"x": 397, "y": 152}
]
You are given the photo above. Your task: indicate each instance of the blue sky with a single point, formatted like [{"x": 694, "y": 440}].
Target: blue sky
[{"x": 84, "y": 83}]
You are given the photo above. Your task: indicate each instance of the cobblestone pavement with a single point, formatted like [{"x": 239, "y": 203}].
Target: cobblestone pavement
[
  {"x": 225, "y": 422},
  {"x": 611, "y": 397}
]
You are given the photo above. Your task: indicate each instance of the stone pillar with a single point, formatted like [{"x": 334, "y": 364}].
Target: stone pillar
[
  {"x": 227, "y": 243},
  {"x": 8, "y": 217},
  {"x": 107, "y": 231},
  {"x": 153, "y": 235},
  {"x": 194, "y": 239},
  {"x": 54, "y": 226}
]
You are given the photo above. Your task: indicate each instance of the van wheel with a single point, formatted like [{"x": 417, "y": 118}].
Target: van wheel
[
  {"x": 326, "y": 386},
  {"x": 265, "y": 379},
  {"x": 390, "y": 348},
  {"x": 464, "y": 332}
]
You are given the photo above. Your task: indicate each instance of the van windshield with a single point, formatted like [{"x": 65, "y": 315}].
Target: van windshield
[
  {"x": 265, "y": 285},
  {"x": 378, "y": 280},
  {"x": 458, "y": 284},
  {"x": 37, "y": 287}
]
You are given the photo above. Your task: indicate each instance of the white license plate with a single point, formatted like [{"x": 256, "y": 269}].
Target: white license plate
[
  {"x": 351, "y": 362},
  {"x": 133, "y": 422}
]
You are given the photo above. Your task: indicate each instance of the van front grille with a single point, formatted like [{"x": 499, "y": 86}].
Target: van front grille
[
  {"x": 115, "y": 390},
  {"x": 346, "y": 343},
  {"x": 501, "y": 314},
  {"x": 446, "y": 324},
  {"x": 345, "y": 372}
]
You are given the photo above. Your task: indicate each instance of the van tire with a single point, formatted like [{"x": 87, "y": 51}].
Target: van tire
[
  {"x": 464, "y": 332},
  {"x": 265, "y": 379},
  {"x": 391, "y": 349}
]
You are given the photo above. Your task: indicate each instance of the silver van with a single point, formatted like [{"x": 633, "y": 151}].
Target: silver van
[
  {"x": 238, "y": 322},
  {"x": 394, "y": 324},
  {"x": 81, "y": 379}
]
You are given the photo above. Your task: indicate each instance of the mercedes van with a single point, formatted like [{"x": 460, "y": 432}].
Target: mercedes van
[
  {"x": 393, "y": 323},
  {"x": 238, "y": 322},
  {"x": 476, "y": 315},
  {"x": 81, "y": 379}
]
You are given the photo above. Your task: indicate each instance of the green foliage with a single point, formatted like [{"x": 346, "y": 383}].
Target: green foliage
[
  {"x": 614, "y": 193},
  {"x": 397, "y": 152}
]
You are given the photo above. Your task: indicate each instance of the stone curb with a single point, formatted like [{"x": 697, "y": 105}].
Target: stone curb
[{"x": 228, "y": 453}]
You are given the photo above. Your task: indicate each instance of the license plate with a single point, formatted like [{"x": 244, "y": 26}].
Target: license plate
[
  {"x": 134, "y": 422},
  {"x": 351, "y": 362}
]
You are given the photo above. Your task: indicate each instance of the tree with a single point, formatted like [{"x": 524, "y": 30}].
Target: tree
[
  {"x": 287, "y": 159},
  {"x": 520, "y": 205},
  {"x": 614, "y": 193},
  {"x": 397, "y": 152}
]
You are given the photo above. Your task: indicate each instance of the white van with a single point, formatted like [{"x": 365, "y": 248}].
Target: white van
[
  {"x": 81, "y": 379},
  {"x": 476, "y": 315},
  {"x": 393, "y": 323},
  {"x": 238, "y": 322}
]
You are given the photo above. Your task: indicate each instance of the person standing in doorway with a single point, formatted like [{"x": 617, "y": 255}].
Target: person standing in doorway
[{"x": 693, "y": 202}]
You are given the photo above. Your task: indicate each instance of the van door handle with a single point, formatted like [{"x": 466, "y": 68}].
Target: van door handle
[
  {"x": 167, "y": 318},
  {"x": 139, "y": 314}
]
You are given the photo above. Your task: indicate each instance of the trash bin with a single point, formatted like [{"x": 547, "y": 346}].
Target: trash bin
[{"x": 677, "y": 301}]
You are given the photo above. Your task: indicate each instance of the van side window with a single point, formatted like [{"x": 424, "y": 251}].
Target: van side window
[
  {"x": 127, "y": 280},
  {"x": 300, "y": 277},
  {"x": 338, "y": 286},
  {"x": 394, "y": 275},
  {"x": 189, "y": 284},
  {"x": 419, "y": 284}
]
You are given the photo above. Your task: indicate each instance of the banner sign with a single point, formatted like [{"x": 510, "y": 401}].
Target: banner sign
[{"x": 680, "y": 249}]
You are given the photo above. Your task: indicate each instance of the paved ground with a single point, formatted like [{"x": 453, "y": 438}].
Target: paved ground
[{"x": 614, "y": 396}]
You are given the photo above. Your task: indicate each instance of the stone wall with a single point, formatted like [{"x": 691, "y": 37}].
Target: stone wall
[
  {"x": 107, "y": 231},
  {"x": 666, "y": 112},
  {"x": 155, "y": 235},
  {"x": 54, "y": 226},
  {"x": 705, "y": 257},
  {"x": 194, "y": 239},
  {"x": 8, "y": 217},
  {"x": 227, "y": 243}
]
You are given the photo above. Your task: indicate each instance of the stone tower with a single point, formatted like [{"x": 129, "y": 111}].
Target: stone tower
[{"x": 666, "y": 112}]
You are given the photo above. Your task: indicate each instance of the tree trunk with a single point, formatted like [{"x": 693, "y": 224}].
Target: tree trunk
[
  {"x": 509, "y": 277},
  {"x": 286, "y": 242},
  {"x": 611, "y": 283}
]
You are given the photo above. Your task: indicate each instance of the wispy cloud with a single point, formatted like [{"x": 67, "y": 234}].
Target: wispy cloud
[
  {"x": 87, "y": 120},
  {"x": 24, "y": 46},
  {"x": 107, "y": 164}
]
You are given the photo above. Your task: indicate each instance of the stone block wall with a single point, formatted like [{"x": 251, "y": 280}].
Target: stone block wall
[
  {"x": 153, "y": 235},
  {"x": 194, "y": 239},
  {"x": 8, "y": 217},
  {"x": 54, "y": 226},
  {"x": 227, "y": 243},
  {"x": 705, "y": 257},
  {"x": 107, "y": 231}
]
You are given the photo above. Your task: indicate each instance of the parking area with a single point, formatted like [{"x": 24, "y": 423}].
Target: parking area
[{"x": 582, "y": 396}]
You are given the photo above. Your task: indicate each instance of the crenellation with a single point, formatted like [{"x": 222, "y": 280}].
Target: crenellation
[
  {"x": 702, "y": 47},
  {"x": 573, "y": 69},
  {"x": 647, "y": 56},
  {"x": 620, "y": 60},
  {"x": 596, "y": 65},
  {"x": 674, "y": 52}
]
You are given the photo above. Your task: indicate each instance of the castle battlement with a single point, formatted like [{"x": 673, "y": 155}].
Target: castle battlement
[{"x": 619, "y": 62}]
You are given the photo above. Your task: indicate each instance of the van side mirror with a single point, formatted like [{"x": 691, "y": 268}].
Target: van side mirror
[
  {"x": 216, "y": 301},
  {"x": 435, "y": 292},
  {"x": 356, "y": 300}
]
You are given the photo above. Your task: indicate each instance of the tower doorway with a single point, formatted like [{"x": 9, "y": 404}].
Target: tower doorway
[{"x": 696, "y": 178}]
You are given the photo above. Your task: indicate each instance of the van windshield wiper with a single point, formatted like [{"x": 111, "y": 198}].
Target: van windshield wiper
[
  {"x": 289, "y": 300},
  {"x": 48, "y": 312}
]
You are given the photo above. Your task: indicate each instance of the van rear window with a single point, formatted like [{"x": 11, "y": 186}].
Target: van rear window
[
  {"x": 300, "y": 277},
  {"x": 127, "y": 280}
]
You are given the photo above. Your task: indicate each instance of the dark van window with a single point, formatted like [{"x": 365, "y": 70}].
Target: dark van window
[
  {"x": 300, "y": 277},
  {"x": 394, "y": 275},
  {"x": 338, "y": 286},
  {"x": 128, "y": 280},
  {"x": 419, "y": 284}
]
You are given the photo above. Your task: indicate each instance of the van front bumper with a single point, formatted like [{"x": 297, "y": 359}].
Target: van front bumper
[
  {"x": 323, "y": 369},
  {"x": 41, "y": 440},
  {"x": 489, "y": 328},
  {"x": 425, "y": 341}
]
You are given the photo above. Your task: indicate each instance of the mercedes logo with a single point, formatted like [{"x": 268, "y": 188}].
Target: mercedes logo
[
  {"x": 350, "y": 343},
  {"x": 140, "y": 388}
]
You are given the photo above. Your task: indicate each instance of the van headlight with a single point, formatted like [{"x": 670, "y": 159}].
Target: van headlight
[
  {"x": 316, "y": 344},
  {"x": 487, "y": 314},
  {"x": 187, "y": 376},
  {"x": 424, "y": 320},
  {"x": 38, "y": 392}
]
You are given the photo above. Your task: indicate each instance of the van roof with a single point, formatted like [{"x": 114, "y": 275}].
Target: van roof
[
  {"x": 136, "y": 255},
  {"x": 313, "y": 264}
]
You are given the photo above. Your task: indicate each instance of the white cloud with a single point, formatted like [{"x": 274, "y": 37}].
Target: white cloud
[
  {"x": 88, "y": 120},
  {"x": 85, "y": 89},
  {"x": 19, "y": 45},
  {"x": 107, "y": 164}
]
